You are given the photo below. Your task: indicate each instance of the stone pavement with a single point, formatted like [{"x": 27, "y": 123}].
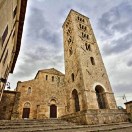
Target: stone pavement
[{"x": 57, "y": 125}]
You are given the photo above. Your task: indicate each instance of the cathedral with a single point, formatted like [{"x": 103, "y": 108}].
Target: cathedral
[{"x": 83, "y": 94}]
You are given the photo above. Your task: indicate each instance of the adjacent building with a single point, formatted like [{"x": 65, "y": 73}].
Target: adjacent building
[
  {"x": 12, "y": 14},
  {"x": 129, "y": 109}
]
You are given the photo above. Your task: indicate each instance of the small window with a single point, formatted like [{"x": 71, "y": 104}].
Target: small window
[
  {"x": 87, "y": 36},
  {"x": 46, "y": 77},
  {"x": 72, "y": 76},
  {"x": 4, "y": 35},
  {"x": 80, "y": 26},
  {"x": 70, "y": 51},
  {"x": 14, "y": 12},
  {"x": 92, "y": 61},
  {"x": 4, "y": 60},
  {"x": 52, "y": 78},
  {"x": 29, "y": 90}
]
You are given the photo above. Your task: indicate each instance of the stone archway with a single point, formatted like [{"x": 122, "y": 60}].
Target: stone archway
[
  {"x": 100, "y": 97},
  {"x": 53, "y": 108},
  {"x": 26, "y": 110},
  {"x": 75, "y": 100}
]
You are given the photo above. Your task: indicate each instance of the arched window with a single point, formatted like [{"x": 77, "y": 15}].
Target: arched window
[
  {"x": 29, "y": 90},
  {"x": 75, "y": 100},
  {"x": 92, "y": 61},
  {"x": 46, "y": 77},
  {"x": 100, "y": 97},
  {"x": 52, "y": 78},
  {"x": 80, "y": 26},
  {"x": 88, "y": 47},
  {"x": 87, "y": 36},
  {"x": 72, "y": 76}
]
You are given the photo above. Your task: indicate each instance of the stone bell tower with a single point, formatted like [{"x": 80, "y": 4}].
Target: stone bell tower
[{"x": 88, "y": 86}]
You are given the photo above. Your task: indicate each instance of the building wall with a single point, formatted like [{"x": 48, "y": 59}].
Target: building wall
[
  {"x": 83, "y": 59},
  {"x": 43, "y": 93},
  {"x": 10, "y": 17},
  {"x": 7, "y": 104},
  {"x": 129, "y": 107}
]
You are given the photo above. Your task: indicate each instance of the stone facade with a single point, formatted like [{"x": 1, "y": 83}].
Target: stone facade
[
  {"x": 129, "y": 109},
  {"x": 7, "y": 104},
  {"x": 41, "y": 93},
  {"x": 12, "y": 13},
  {"x": 83, "y": 94},
  {"x": 129, "y": 106},
  {"x": 90, "y": 99}
]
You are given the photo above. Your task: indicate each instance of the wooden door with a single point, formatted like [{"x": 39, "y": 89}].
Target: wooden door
[
  {"x": 53, "y": 111},
  {"x": 26, "y": 112}
]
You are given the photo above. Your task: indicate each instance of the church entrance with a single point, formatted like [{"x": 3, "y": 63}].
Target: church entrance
[
  {"x": 53, "y": 111},
  {"x": 26, "y": 112}
]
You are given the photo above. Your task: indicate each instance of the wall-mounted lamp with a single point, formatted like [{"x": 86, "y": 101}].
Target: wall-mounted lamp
[{"x": 8, "y": 85}]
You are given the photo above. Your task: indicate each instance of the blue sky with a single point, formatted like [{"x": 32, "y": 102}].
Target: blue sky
[{"x": 42, "y": 42}]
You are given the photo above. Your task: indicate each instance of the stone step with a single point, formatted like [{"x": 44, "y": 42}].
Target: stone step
[
  {"x": 33, "y": 123},
  {"x": 69, "y": 129},
  {"x": 56, "y": 125}
]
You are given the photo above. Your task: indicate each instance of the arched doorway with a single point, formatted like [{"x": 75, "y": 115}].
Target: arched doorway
[
  {"x": 26, "y": 110},
  {"x": 53, "y": 111},
  {"x": 100, "y": 97},
  {"x": 75, "y": 100}
]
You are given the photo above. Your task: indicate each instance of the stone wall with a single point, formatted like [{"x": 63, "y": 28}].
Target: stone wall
[
  {"x": 129, "y": 109},
  {"x": 12, "y": 14},
  {"x": 105, "y": 116},
  {"x": 7, "y": 104}
]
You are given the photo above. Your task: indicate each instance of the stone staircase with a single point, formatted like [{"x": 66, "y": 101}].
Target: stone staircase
[{"x": 57, "y": 125}]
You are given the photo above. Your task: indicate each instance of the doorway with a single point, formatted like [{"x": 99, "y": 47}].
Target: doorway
[
  {"x": 26, "y": 112},
  {"x": 53, "y": 111}
]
